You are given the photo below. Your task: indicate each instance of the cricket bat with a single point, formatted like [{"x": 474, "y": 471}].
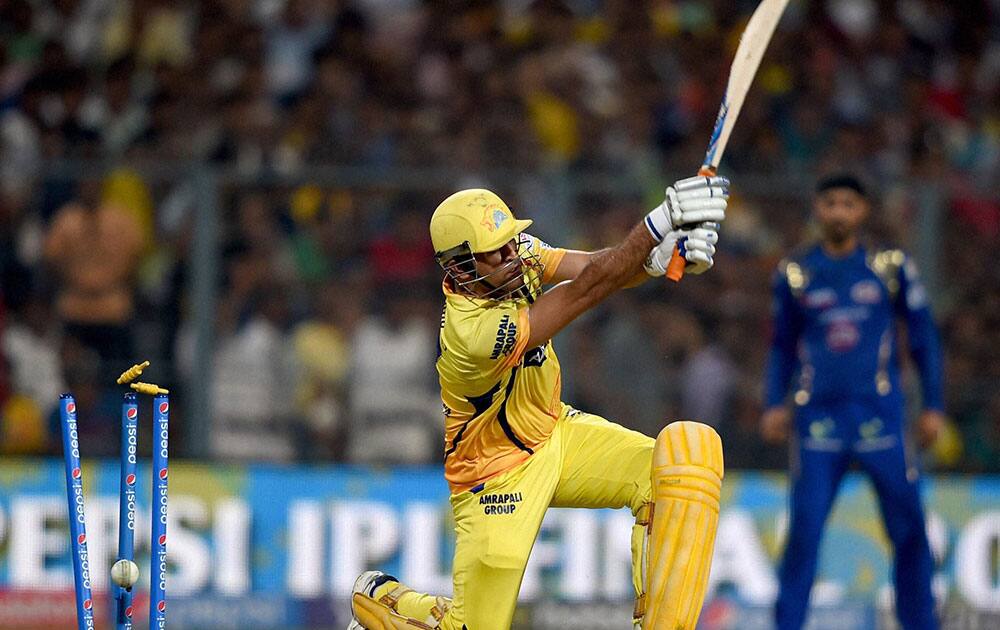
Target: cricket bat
[{"x": 749, "y": 53}]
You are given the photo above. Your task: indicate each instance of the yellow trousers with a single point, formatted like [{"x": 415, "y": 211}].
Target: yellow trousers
[{"x": 588, "y": 462}]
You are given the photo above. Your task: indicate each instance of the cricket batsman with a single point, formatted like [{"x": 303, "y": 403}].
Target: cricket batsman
[
  {"x": 513, "y": 448},
  {"x": 836, "y": 305}
]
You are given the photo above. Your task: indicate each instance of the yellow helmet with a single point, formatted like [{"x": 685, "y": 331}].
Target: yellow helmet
[
  {"x": 475, "y": 221},
  {"x": 476, "y": 217}
]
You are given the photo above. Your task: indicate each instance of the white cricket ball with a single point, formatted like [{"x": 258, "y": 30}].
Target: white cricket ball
[{"x": 125, "y": 573}]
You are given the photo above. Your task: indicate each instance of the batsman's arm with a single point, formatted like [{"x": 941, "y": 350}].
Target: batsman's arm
[
  {"x": 603, "y": 273},
  {"x": 574, "y": 262}
]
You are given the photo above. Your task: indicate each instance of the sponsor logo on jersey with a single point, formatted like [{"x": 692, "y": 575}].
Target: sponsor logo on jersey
[
  {"x": 506, "y": 338},
  {"x": 873, "y": 437},
  {"x": 866, "y": 292},
  {"x": 833, "y": 316},
  {"x": 842, "y": 336},
  {"x": 871, "y": 429},
  {"x": 822, "y": 436},
  {"x": 820, "y": 298},
  {"x": 536, "y": 356},
  {"x": 821, "y": 429},
  {"x": 500, "y": 503}
]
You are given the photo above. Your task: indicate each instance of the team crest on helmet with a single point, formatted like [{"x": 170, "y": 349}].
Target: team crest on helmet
[
  {"x": 499, "y": 216},
  {"x": 493, "y": 218}
]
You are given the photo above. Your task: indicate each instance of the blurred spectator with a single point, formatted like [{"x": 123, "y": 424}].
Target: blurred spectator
[
  {"x": 291, "y": 40},
  {"x": 5, "y": 387},
  {"x": 404, "y": 252},
  {"x": 31, "y": 344},
  {"x": 253, "y": 382},
  {"x": 707, "y": 375},
  {"x": 20, "y": 141},
  {"x": 257, "y": 227},
  {"x": 324, "y": 356},
  {"x": 327, "y": 236},
  {"x": 94, "y": 246},
  {"x": 638, "y": 388},
  {"x": 98, "y": 415},
  {"x": 395, "y": 412}
]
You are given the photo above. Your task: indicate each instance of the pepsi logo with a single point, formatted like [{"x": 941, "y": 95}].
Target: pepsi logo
[
  {"x": 164, "y": 407},
  {"x": 71, "y": 407},
  {"x": 132, "y": 413},
  {"x": 163, "y": 473},
  {"x": 82, "y": 538},
  {"x": 76, "y": 473},
  {"x": 130, "y": 480},
  {"x": 87, "y": 604},
  {"x": 161, "y": 606},
  {"x": 163, "y": 539},
  {"x": 128, "y": 611}
]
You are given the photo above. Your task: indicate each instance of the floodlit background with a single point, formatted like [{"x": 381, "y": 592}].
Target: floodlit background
[{"x": 239, "y": 191}]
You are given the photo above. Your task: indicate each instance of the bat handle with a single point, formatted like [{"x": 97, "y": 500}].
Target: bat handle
[{"x": 675, "y": 268}]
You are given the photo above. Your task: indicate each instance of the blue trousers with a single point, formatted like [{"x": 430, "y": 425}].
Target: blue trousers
[{"x": 829, "y": 439}]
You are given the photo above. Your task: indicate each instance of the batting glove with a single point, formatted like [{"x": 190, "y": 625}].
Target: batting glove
[
  {"x": 696, "y": 245},
  {"x": 689, "y": 201}
]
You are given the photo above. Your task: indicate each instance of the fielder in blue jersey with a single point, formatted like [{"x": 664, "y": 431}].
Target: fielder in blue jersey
[{"x": 834, "y": 349}]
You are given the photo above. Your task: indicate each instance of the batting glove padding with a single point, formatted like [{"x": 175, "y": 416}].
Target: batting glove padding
[
  {"x": 697, "y": 246},
  {"x": 689, "y": 201}
]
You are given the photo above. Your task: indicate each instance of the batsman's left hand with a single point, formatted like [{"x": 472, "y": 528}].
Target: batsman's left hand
[{"x": 697, "y": 246}]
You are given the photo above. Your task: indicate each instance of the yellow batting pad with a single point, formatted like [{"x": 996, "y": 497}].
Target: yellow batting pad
[
  {"x": 687, "y": 480},
  {"x": 373, "y": 615}
]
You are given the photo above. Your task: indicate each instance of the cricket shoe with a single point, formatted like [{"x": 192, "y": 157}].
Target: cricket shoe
[
  {"x": 366, "y": 584},
  {"x": 381, "y": 614}
]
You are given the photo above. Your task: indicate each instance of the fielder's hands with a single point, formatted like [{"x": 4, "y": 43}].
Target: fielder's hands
[
  {"x": 696, "y": 246},
  {"x": 929, "y": 427},
  {"x": 689, "y": 201},
  {"x": 774, "y": 425}
]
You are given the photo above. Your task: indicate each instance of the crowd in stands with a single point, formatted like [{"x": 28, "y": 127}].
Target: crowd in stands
[{"x": 332, "y": 129}]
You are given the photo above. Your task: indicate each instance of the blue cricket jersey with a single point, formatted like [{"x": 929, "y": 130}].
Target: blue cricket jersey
[{"x": 835, "y": 328}]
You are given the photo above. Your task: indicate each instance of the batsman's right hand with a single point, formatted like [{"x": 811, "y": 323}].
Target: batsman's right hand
[{"x": 689, "y": 202}]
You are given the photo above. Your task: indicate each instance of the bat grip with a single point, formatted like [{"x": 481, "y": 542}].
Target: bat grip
[{"x": 675, "y": 268}]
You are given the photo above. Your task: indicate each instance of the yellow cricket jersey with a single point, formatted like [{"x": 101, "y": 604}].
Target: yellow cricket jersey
[{"x": 501, "y": 399}]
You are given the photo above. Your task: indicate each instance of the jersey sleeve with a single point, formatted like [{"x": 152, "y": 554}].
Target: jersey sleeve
[
  {"x": 497, "y": 337},
  {"x": 549, "y": 256},
  {"x": 782, "y": 359},
  {"x": 925, "y": 347}
]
